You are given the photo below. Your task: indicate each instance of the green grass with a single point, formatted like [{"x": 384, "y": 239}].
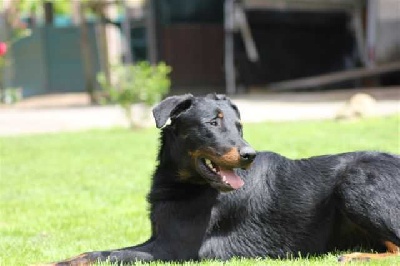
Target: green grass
[{"x": 63, "y": 194}]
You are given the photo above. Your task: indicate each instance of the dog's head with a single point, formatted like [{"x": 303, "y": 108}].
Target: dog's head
[{"x": 210, "y": 133}]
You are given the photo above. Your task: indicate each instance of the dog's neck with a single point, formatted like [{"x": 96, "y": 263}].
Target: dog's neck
[
  {"x": 170, "y": 150},
  {"x": 168, "y": 183},
  {"x": 174, "y": 201}
]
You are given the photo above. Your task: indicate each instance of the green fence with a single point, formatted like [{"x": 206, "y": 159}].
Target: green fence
[{"x": 50, "y": 61}]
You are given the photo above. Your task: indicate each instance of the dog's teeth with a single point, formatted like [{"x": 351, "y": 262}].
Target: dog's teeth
[
  {"x": 210, "y": 165},
  {"x": 224, "y": 178}
]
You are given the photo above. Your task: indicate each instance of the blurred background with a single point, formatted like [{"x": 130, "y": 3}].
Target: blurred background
[
  {"x": 237, "y": 47},
  {"x": 212, "y": 45}
]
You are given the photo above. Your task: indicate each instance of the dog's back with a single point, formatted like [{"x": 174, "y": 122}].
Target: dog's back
[{"x": 310, "y": 206}]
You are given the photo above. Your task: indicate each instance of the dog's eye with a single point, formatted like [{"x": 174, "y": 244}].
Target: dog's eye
[{"x": 213, "y": 123}]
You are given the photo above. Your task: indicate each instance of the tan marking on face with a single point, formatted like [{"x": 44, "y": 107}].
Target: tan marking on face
[
  {"x": 184, "y": 174},
  {"x": 229, "y": 159},
  {"x": 220, "y": 115},
  {"x": 195, "y": 154}
]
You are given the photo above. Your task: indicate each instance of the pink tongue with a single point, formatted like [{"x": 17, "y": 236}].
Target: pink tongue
[{"x": 231, "y": 178}]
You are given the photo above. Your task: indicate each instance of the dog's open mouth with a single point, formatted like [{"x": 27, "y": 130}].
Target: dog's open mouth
[{"x": 219, "y": 177}]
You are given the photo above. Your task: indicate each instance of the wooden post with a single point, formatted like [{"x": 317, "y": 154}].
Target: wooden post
[
  {"x": 359, "y": 32},
  {"x": 126, "y": 28},
  {"x": 230, "y": 75},
  {"x": 249, "y": 44},
  {"x": 101, "y": 34},
  {"x": 76, "y": 12},
  {"x": 48, "y": 12},
  {"x": 372, "y": 13},
  {"x": 335, "y": 77},
  {"x": 86, "y": 55},
  {"x": 151, "y": 34}
]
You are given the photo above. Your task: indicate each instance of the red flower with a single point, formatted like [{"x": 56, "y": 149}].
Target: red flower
[{"x": 3, "y": 48}]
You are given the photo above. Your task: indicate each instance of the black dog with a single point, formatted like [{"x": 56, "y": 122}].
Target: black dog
[{"x": 277, "y": 207}]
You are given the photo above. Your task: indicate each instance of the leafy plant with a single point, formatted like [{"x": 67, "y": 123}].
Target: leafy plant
[
  {"x": 139, "y": 83},
  {"x": 6, "y": 60},
  {"x": 11, "y": 95}
]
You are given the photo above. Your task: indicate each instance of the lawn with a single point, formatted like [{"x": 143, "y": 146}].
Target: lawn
[{"x": 63, "y": 194}]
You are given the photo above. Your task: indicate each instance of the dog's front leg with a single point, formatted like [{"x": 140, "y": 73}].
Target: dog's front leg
[
  {"x": 85, "y": 259},
  {"x": 143, "y": 252}
]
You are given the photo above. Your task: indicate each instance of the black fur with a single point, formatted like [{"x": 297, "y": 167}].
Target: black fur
[{"x": 285, "y": 208}]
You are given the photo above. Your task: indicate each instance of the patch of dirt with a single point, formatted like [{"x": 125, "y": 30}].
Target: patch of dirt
[
  {"x": 52, "y": 100},
  {"x": 82, "y": 99}
]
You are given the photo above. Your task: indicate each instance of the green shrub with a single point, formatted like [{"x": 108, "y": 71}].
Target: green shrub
[
  {"x": 10, "y": 95},
  {"x": 139, "y": 83}
]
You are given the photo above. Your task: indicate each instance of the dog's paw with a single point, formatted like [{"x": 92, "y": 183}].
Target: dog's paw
[
  {"x": 84, "y": 259},
  {"x": 357, "y": 256}
]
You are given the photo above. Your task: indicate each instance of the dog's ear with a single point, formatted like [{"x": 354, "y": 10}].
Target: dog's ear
[
  {"x": 171, "y": 107},
  {"x": 234, "y": 107}
]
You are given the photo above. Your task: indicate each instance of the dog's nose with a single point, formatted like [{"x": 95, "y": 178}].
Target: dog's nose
[{"x": 247, "y": 154}]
